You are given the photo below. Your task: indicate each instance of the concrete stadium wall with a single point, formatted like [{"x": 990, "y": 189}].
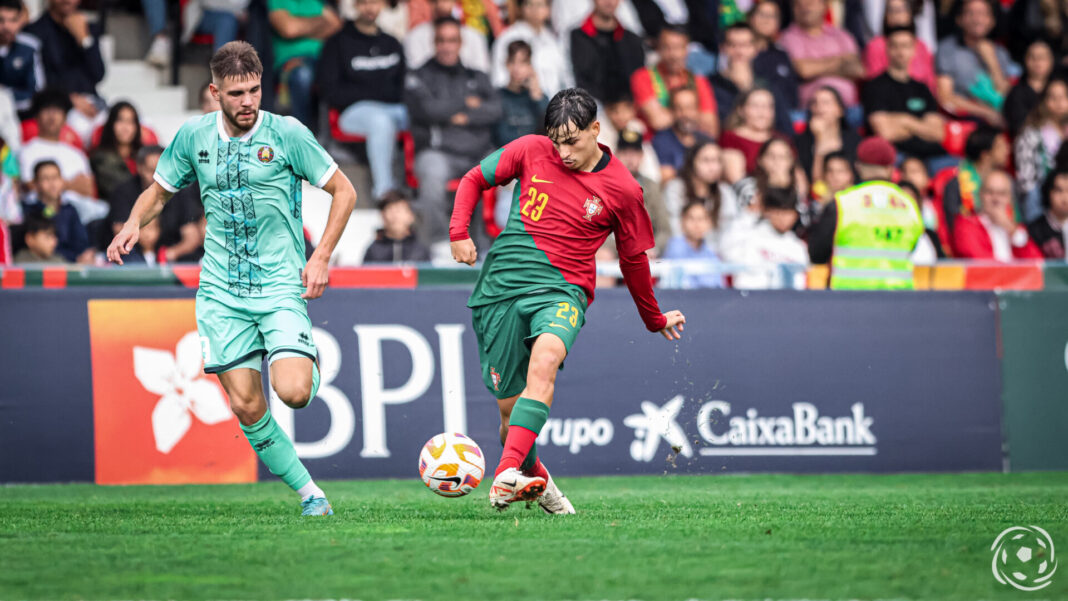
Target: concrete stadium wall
[{"x": 104, "y": 385}]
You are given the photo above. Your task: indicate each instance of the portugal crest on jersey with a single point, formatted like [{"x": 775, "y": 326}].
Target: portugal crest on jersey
[
  {"x": 593, "y": 206},
  {"x": 265, "y": 154},
  {"x": 496, "y": 377}
]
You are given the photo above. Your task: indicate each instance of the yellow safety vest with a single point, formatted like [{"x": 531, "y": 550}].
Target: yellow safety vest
[{"x": 878, "y": 226}]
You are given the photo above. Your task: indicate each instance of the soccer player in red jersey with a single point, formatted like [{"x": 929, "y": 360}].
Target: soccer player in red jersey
[{"x": 538, "y": 278}]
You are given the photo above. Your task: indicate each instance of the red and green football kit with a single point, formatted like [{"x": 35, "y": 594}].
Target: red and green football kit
[{"x": 539, "y": 276}]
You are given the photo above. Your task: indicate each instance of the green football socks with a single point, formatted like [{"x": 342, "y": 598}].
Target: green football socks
[{"x": 276, "y": 451}]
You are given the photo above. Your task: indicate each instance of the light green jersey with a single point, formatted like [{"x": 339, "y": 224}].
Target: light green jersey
[{"x": 250, "y": 187}]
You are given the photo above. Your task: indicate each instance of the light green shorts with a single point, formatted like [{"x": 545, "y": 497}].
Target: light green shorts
[{"x": 238, "y": 332}]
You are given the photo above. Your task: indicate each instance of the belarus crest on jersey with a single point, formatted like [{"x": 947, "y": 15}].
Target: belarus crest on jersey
[
  {"x": 593, "y": 206},
  {"x": 265, "y": 154}
]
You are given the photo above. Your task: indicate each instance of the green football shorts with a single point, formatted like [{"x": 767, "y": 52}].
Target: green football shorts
[
  {"x": 506, "y": 331},
  {"x": 238, "y": 332}
]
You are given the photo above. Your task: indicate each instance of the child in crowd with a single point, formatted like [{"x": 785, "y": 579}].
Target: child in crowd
[
  {"x": 693, "y": 245},
  {"x": 41, "y": 242},
  {"x": 396, "y": 242}
]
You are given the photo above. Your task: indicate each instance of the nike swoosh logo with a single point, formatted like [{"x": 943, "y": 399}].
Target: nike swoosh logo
[
  {"x": 556, "y": 325},
  {"x": 454, "y": 480},
  {"x": 539, "y": 181}
]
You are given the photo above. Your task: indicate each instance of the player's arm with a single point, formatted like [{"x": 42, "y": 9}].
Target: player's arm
[
  {"x": 316, "y": 273},
  {"x": 148, "y": 206},
  {"x": 500, "y": 167}
]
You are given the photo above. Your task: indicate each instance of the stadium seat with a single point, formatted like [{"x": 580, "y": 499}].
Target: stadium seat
[
  {"x": 404, "y": 137},
  {"x": 68, "y": 135},
  {"x": 489, "y": 204}
]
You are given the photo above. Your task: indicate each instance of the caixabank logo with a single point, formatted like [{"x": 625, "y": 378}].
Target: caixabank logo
[{"x": 158, "y": 418}]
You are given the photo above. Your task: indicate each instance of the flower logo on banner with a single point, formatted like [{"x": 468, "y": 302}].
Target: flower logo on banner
[
  {"x": 183, "y": 390},
  {"x": 654, "y": 423}
]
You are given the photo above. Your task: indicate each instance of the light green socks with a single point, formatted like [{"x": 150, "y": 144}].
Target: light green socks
[{"x": 276, "y": 450}]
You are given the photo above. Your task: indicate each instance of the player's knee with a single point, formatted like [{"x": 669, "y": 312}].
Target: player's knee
[
  {"x": 245, "y": 408},
  {"x": 543, "y": 368},
  {"x": 294, "y": 395}
]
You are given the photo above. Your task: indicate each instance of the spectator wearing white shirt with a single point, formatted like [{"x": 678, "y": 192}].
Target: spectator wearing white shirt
[
  {"x": 547, "y": 53},
  {"x": 50, "y": 108},
  {"x": 768, "y": 244},
  {"x": 419, "y": 43}
]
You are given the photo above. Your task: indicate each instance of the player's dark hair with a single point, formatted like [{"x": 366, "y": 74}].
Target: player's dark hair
[
  {"x": 41, "y": 165},
  {"x": 1047, "y": 185},
  {"x": 11, "y": 5},
  {"x": 148, "y": 151},
  {"x": 689, "y": 175},
  {"x": 36, "y": 222},
  {"x": 108, "y": 140},
  {"x": 50, "y": 98},
  {"x": 519, "y": 46},
  {"x": 235, "y": 60},
  {"x": 980, "y": 141},
  {"x": 573, "y": 107}
]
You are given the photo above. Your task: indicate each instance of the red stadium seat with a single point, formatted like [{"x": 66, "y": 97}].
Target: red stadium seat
[
  {"x": 404, "y": 137},
  {"x": 489, "y": 203},
  {"x": 956, "y": 134},
  {"x": 68, "y": 135}
]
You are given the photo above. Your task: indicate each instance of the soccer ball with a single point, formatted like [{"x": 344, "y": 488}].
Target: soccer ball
[{"x": 451, "y": 464}]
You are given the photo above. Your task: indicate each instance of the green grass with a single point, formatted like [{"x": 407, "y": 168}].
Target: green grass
[{"x": 699, "y": 537}]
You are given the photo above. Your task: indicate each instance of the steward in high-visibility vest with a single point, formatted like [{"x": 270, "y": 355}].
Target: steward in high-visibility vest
[{"x": 870, "y": 230}]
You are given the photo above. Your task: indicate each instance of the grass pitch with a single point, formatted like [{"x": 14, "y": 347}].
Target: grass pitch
[{"x": 696, "y": 537}]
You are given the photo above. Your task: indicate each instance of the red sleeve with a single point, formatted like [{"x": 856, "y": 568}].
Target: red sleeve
[
  {"x": 705, "y": 98},
  {"x": 1027, "y": 251},
  {"x": 498, "y": 168},
  {"x": 968, "y": 239},
  {"x": 641, "y": 87},
  {"x": 640, "y": 283}
]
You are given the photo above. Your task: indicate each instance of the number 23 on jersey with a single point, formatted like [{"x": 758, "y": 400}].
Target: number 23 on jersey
[{"x": 534, "y": 205}]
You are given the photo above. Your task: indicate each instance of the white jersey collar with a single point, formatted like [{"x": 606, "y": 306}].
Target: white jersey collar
[{"x": 246, "y": 136}]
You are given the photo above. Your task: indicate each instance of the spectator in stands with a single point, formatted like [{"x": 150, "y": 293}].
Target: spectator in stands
[
  {"x": 703, "y": 20},
  {"x": 114, "y": 159},
  {"x": 300, "y": 27},
  {"x": 691, "y": 244},
  {"x": 914, "y": 173},
  {"x": 902, "y": 109},
  {"x": 837, "y": 175},
  {"x": 146, "y": 253},
  {"x": 180, "y": 235},
  {"x": 72, "y": 62},
  {"x": 50, "y": 109},
  {"x": 1047, "y": 231},
  {"x": 739, "y": 74},
  {"x": 604, "y": 54},
  {"x": 631, "y": 152},
  {"x": 1023, "y": 97},
  {"x": 218, "y": 18},
  {"x": 51, "y": 202},
  {"x": 985, "y": 151},
  {"x": 652, "y": 86},
  {"x": 776, "y": 167},
  {"x": 876, "y": 59},
  {"x": 21, "y": 68},
  {"x": 420, "y": 43},
  {"x": 672, "y": 144},
  {"x": 484, "y": 16},
  {"x": 826, "y": 132},
  {"x": 39, "y": 234},
  {"x": 523, "y": 102},
  {"x": 973, "y": 71},
  {"x": 929, "y": 249},
  {"x": 622, "y": 115},
  {"x": 208, "y": 102},
  {"x": 395, "y": 242},
  {"x": 547, "y": 55},
  {"x": 701, "y": 180},
  {"x": 772, "y": 62},
  {"x": 453, "y": 110},
  {"x": 993, "y": 232},
  {"x": 751, "y": 124},
  {"x": 1037, "y": 145},
  {"x": 823, "y": 55},
  {"x": 361, "y": 75},
  {"x": 607, "y": 256},
  {"x": 768, "y": 244}
]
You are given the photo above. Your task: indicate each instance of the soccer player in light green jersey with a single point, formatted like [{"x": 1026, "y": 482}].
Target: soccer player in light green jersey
[{"x": 254, "y": 282}]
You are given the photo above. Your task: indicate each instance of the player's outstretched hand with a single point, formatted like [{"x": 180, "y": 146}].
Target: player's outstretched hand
[
  {"x": 464, "y": 251},
  {"x": 123, "y": 243},
  {"x": 315, "y": 276},
  {"x": 673, "y": 329}
]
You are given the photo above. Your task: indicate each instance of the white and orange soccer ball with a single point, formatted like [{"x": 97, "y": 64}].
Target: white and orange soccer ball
[{"x": 451, "y": 464}]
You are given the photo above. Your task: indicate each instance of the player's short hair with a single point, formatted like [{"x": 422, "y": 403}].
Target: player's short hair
[
  {"x": 519, "y": 46},
  {"x": 148, "y": 151},
  {"x": 41, "y": 165},
  {"x": 573, "y": 106},
  {"x": 236, "y": 60},
  {"x": 11, "y": 5}
]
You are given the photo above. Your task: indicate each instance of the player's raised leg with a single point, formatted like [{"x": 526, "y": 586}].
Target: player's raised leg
[
  {"x": 553, "y": 499},
  {"x": 245, "y": 390}
]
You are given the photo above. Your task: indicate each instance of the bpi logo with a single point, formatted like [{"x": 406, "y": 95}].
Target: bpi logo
[
  {"x": 158, "y": 418},
  {"x": 1024, "y": 558}
]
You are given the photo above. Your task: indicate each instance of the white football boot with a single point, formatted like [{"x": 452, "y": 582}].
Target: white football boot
[
  {"x": 553, "y": 499},
  {"x": 512, "y": 486}
]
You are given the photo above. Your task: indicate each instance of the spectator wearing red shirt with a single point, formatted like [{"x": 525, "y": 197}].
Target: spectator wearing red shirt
[
  {"x": 993, "y": 233},
  {"x": 652, "y": 87},
  {"x": 823, "y": 55},
  {"x": 751, "y": 124}
]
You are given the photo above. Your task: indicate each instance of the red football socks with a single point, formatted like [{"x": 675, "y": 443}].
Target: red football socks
[
  {"x": 538, "y": 471},
  {"x": 516, "y": 447}
]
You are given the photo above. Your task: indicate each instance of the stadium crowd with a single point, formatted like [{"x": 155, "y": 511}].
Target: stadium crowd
[{"x": 741, "y": 119}]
